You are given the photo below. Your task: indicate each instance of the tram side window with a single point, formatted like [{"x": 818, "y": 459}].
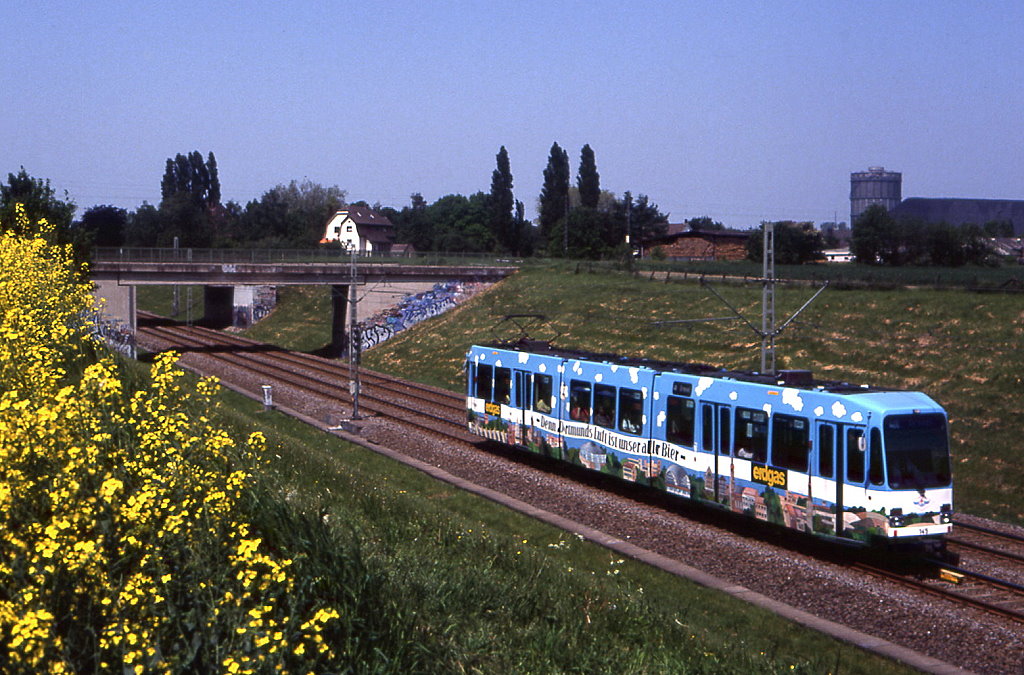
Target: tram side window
[
  {"x": 484, "y": 377},
  {"x": 631, "y": 411},
  {"x": 751, "y": 434},
  {"x": 707, "y": 427},
  {"x": 680, "y": 414},
  {"x": 826, "y": 451},
  {"x": 523, "y": 390},
  {"x": 875, "y": 472},
  {"x": 502, "y": 385},
  {"x": 604, "y": 405},
  {"x": 542, "y": 393},
  {"x": 790, "y": 442},
  {"x": 579, "y": 400},
  {"x": 854, "y": 455}
]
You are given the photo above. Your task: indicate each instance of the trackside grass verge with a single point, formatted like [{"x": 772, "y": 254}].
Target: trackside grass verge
[
  {"x": 961, "y": 348},
  {"x": 475, "y": 587}
]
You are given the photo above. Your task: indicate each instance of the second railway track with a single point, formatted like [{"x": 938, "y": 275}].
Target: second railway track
[{"x": 443, "y": 414}]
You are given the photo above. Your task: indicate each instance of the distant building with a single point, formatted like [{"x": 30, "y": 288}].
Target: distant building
[
  {"x": 360, "y": 228},
  {"x": 874, "y": 186},
  {"x": 700, "y": 245},
  {"x": 878, "y": 186},
  {"x": 960, "y": 211}
]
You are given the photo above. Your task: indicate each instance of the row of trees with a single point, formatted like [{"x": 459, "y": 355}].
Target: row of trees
[
  {"x": 880, "y": 239},
  {"x": 580, "y": 220},
  {"x": 587, "y": 221}
]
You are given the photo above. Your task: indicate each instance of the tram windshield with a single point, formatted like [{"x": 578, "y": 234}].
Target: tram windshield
[{"x": 917, "y": 451}]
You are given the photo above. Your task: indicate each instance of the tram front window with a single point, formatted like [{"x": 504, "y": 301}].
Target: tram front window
[{"x": 917, "y": 451}]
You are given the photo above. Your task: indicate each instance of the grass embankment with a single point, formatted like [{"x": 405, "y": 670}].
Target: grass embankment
[
  {"x": 962, "y": 348},
  {"x": 484, "y": 589}
]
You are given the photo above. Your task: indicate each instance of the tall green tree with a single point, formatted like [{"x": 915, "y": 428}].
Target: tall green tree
[
  {"x": 795, "y": 243},
  {"x": 292, "y": 215},
  {"x": 39, "y": 200},
  {"x": 873, "y": 238},
  {"x": 190, "y": 175},
  {"x": 640, "y": 217},
  {"x": 190, "y": 192},
  {"x": 588, "y": 181},
  {"x": 104, "y": 225},
  {"x": 213, "y": 194},
  {"x": 554, "y": 199},
  {"x": 501, "y": 205}
]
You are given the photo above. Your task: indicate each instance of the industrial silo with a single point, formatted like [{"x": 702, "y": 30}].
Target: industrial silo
[{"x": 874, "y": 186}]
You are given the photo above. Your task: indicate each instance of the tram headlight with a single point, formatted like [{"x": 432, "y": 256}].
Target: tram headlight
[
  {"x": 946, "y": 514},
  {"x": 896, "y": 517}
]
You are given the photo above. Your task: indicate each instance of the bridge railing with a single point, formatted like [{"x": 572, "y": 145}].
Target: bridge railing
[{"x": 279, "y": 255}]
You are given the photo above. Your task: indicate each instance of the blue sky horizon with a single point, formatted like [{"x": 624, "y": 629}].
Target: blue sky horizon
[{"x": 739, "y": 111}]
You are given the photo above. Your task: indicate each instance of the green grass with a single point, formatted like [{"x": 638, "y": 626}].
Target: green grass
[
  {"x": 961, "y": 348},
  {"x": 476, "y": 587},
  {"x": 160, "y": 300}
]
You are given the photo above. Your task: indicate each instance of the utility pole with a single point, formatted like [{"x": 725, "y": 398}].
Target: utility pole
[
  {"x": 565, "y": 229},
  {"x": 768, "y": 330},
  {"x": 629, "y": 219},
  {"x": 353, "y": 337},
  {"x": 768, "y": 302}
]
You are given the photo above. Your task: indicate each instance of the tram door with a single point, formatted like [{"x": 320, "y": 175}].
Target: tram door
[
  {"x": 716, "y": 438},
  {"x": 828, "y": 460},
  {"x": 522, "y": 402}
]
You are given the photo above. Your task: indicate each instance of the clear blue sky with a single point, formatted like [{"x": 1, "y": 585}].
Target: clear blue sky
[{"x": 738, "y": 110}]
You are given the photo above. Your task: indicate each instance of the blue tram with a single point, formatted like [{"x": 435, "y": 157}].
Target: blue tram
[{"x": 853, "y": 462}]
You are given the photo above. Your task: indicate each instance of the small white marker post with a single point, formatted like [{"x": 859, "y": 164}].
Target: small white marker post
[{"x": 268, "y": 397}]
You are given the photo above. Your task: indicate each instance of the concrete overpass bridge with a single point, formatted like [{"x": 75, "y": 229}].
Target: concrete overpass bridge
[{"x": 118, "y": 272}]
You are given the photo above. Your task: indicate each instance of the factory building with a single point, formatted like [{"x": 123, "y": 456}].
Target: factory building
[{"x": 878, "y": 186}]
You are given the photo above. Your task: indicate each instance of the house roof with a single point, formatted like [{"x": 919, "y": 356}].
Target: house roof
[
  {"x": 708, "y": 235},
  {"x": 364, "y": 215}
]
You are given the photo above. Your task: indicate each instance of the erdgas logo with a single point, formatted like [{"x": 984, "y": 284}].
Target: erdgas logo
[
  {"x": 492, "y": 408},
  {"x": 769, "y": 476}
]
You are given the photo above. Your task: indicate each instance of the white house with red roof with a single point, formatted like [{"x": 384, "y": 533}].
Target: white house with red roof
[{"x": 360, "y": 228}]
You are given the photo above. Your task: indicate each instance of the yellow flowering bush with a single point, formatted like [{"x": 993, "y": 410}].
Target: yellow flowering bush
[{"x": 124, "y": 544}]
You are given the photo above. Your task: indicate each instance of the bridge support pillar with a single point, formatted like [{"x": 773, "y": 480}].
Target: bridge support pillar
[
  {"x": 219, "y": 305},
  {"x": 339, "y": 320}
]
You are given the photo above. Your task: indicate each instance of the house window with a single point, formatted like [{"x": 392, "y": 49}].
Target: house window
[{"x": 348, "y": 228}]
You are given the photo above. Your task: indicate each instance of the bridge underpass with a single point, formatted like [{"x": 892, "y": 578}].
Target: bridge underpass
[{"x": 117, "y": 280}]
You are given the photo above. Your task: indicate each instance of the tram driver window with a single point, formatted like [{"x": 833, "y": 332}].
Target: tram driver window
[
  {"x": 631, "y": 411},
  {"x": 680, "y": 416},
  {"x": 751, "y": 434},
  {"x": 502, "y": 385},
  {"x": 604, "y": 406},
  {"x": 790, "y": 442},
  {"x": 542, "y": 393},
  {"x": 579, "y": 400},
  {"x": 876, "y": 473},
  {"x": 484, "y": 376}
]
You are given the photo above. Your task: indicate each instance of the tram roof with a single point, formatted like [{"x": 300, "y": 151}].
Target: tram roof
[{"x": 797, "y": 379}]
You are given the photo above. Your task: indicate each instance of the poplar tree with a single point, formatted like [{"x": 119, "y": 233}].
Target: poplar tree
[
  {"x": 588, "y": 181},
  {"x": 554, "y": 198},
  {"x": 213, "y": 193},
  {"x": 501, "y": 203}
]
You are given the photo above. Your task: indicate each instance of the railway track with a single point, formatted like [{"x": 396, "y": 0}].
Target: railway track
[
  {"x": 443, "y": 413},
  {"x": 418, "y": 405},
  {"x": 986, "y": 541},
  {"x": 961, "y": 586}
]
